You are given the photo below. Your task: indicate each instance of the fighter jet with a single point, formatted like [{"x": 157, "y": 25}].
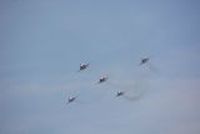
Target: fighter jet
[
  {"x": 144, "y": 60},
  {"x": 120, "y": 93},
  {"x": 83, "y": 66},
  {"x": 102, "y": 79},
  {"x": 71, "y": 99}
]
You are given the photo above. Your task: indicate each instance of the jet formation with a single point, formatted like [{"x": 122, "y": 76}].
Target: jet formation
[{"x": 102, "y": 79}]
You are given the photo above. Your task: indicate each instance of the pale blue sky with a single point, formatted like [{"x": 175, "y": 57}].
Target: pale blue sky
[{"x": 42, "y": 43}]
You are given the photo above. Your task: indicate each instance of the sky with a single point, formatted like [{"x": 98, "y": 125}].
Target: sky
[{"x": 43, "y": 42}]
